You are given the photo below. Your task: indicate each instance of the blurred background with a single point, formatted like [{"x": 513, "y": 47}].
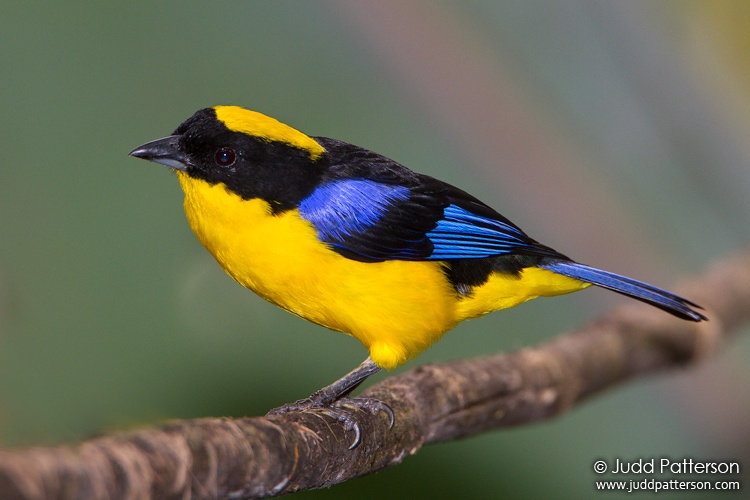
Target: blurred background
[{"x": 615, "y": 132}]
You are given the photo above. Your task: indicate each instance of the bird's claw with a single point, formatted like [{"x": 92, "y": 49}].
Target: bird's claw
[{"x": 339, "y": 410}]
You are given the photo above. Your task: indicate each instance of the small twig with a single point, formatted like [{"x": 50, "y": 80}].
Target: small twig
[{"x": 266, "y": 456}]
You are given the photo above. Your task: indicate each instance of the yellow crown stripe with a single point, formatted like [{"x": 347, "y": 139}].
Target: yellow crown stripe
[{"x": 243, "y": 120}]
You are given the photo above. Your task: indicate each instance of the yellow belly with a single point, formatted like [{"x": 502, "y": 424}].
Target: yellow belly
[{"x": 395, "y": 308}]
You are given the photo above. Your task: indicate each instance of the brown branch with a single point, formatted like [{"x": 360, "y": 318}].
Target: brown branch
[{"x": 266, "y": 456}]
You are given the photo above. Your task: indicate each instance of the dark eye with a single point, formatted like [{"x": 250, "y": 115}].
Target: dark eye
[{"x": 225, "y": 157}]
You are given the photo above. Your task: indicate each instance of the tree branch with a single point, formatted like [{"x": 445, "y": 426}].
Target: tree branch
[{"x": 266, "y": 456}]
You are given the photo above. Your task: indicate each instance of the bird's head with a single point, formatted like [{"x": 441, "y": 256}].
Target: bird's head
[{"x": 254, "y": 155}]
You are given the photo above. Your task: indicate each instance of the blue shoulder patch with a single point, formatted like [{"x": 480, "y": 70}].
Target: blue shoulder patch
[
  {"x": 461, "y": 234},
  {"x": 349, "y": 207}
]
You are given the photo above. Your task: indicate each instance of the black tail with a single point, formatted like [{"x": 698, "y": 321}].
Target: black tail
[{"x": 674, "y": 304}]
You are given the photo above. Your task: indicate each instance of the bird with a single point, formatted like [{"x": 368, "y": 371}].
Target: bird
[{"x": 354, "y": 241}]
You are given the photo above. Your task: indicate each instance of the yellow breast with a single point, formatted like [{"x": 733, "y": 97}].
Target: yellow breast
[{"x": 395, "y": 308}]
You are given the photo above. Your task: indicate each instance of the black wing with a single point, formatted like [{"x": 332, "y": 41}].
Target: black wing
[{"x": 370, "y": 208}]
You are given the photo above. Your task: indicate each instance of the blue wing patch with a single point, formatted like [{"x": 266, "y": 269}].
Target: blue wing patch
[
  {"x": 461, "y": 234},
  {"x": 372, "y": 221},
  {"x": 346, "y": 208}
]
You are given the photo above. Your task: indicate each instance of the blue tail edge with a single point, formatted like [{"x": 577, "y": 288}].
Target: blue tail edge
[{"x": 673, "y": 304}]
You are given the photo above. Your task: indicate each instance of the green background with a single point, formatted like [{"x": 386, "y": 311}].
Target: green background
[{"x": 615, "y": 132}]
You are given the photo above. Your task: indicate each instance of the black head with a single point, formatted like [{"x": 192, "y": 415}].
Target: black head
[{"x": 253, "y": 155}]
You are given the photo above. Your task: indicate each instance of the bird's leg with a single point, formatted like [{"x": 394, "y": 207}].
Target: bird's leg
[
  {"x": 345, "y": 385},
  {"x": 333, "y": 399}
]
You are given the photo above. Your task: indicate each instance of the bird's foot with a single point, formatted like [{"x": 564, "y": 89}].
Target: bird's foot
[{"x": 339, "y": 409}]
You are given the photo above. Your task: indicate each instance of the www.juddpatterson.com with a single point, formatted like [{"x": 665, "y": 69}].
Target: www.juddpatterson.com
[{"x": 671, "y": 468}]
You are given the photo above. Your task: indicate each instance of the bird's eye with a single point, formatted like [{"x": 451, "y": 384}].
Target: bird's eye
[{"x": 225, "y": 157}]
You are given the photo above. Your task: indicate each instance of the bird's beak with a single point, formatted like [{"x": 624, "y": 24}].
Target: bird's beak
[{"x": 166, "y": 151}]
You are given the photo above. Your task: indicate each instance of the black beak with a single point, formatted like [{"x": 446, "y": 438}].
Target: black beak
[{"x": 166, "y": 151}]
